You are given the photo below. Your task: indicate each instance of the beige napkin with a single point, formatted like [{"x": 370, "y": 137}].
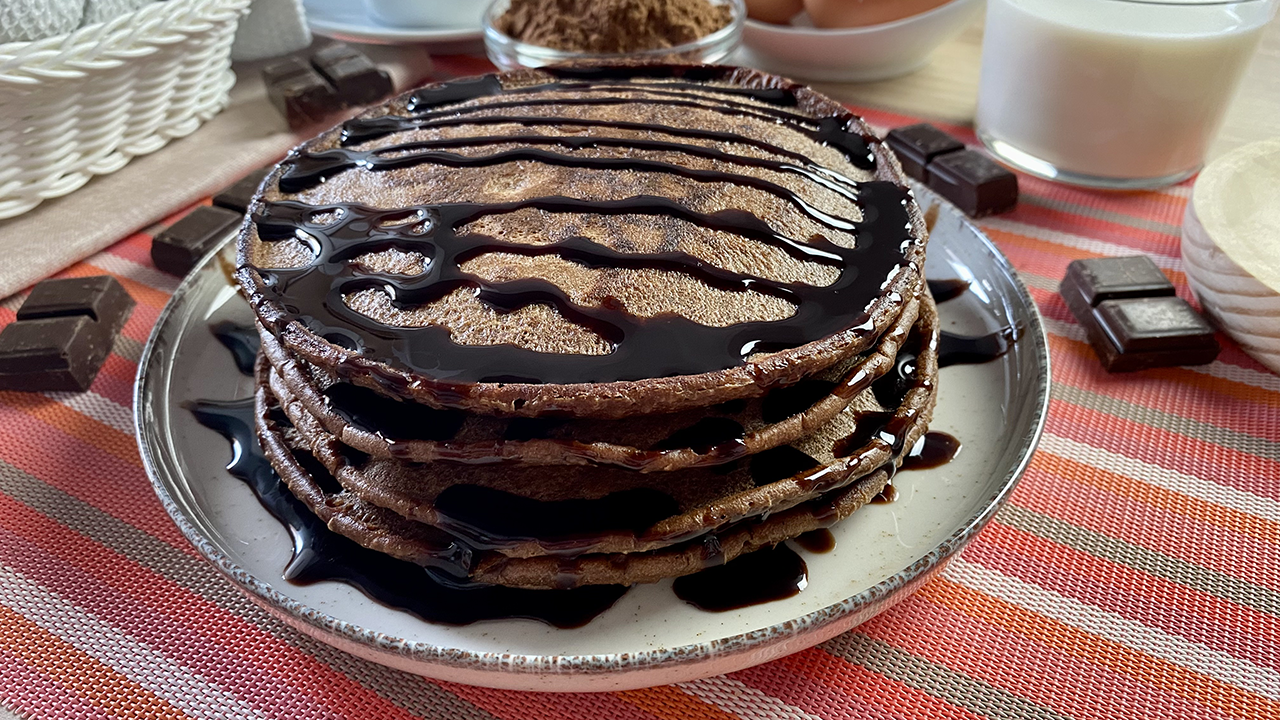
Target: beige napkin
[{"x": 248, "y": 134}]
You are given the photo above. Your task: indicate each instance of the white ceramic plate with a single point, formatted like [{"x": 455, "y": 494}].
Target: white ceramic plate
[
  {"x": 349, "y": 20},
  {"x": 649, "y": 637}
]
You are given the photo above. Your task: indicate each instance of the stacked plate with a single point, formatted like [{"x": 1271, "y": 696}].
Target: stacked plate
[{"x": 1231, "y": 247}]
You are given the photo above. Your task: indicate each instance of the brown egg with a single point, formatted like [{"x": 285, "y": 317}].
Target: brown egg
[
  {"x": 856, "y": 13},
  {"x": 778, "y": 12}
]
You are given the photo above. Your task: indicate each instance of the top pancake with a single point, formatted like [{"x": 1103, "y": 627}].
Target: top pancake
[{"x": 585, "y": 242}]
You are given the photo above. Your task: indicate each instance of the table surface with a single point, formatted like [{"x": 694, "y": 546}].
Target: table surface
[{"x": 1133, "y": 574}]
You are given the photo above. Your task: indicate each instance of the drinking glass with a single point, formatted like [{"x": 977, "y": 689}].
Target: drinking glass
[{"x": 1123, "y": 94}]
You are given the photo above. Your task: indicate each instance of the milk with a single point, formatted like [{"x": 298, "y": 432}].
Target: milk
[{"x": 1104, "y": 91}]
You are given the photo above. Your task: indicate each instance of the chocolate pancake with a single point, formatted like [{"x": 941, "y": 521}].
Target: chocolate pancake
[
  {"x": 526, "y": 511},
  {"x": 375, "y": 424},
  {"x": 386, "y": 531},
  {"x": 586, "y": 242}
]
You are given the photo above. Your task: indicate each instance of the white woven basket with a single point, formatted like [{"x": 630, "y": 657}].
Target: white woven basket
[{"x": 85, "y": 103}]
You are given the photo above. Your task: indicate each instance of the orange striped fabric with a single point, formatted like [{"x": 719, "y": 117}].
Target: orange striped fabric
[{"x": 1135, "y": 572}]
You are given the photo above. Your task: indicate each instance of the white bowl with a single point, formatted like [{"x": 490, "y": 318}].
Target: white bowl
[
  {"x": 427, "y": 13},
  {"x": 859, "y": 54},
  {"x": 1233, "y": 223}
]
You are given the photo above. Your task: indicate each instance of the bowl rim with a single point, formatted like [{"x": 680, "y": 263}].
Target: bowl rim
[
  {"x": 853, "y": 31},
  {"x": 493, "y": 37}
]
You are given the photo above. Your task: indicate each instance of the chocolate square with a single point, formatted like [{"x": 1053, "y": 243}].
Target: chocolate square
[
  {"x": 101, "y": 298},
  {"x": 917, "y": 145},
  {"x": 178, "y": 248},
  {"x": 238, "y": 196},
  {"x": 357, "y": 80},
  {"x": 1089, "y": 282},
  {"x": 1139, "y": 333},
  {"x": 973, "y": 182},
  {"x": 301, "y": 95},
  {"x": 53, "y": 353}
]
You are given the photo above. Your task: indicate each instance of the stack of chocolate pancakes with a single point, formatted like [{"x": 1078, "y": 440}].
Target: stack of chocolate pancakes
[{"x": 584, "y": 326}]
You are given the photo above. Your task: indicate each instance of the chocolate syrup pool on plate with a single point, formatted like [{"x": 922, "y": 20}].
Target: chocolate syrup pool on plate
[
  {"x": 320, "y": 554},
  {"x": 817, "y": 541},
  {"x": 766, "y": 575}
]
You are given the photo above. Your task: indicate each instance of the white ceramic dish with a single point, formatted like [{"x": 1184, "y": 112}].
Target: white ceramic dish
[
  {"x": 351, "y": 21},
  {"x": 859, "y": 54},
  {"x": 426, "y": 13},
  {"x": 1233, "y": 223},
  {"x": 883, "y": 553}
]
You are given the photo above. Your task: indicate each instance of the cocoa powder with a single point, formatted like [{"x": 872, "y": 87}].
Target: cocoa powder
[{"x": 612, "y": 26}]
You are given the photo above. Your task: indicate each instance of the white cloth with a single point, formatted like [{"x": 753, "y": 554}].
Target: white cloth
[{"x": 271, "y": 29}]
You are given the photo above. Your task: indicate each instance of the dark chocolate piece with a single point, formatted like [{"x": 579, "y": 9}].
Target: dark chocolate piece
[
  {"x": 974, "y": 182},
  {"x": 357, "y": 80},
  {"x": 101, "y": 298},
  {"x": 1139, "y": 333},
  {"x": 178, "y": 248},
  {"x": 53, "y": 353},
  {"x": 1089, "y": 282},
  {"x": 238, "y": 196},
  {"x": 917, "y": 145},
  {"x": 301, "y": 95}
]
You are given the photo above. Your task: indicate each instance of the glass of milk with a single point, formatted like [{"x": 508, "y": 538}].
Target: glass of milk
[{"x": 1122, "y": 94}]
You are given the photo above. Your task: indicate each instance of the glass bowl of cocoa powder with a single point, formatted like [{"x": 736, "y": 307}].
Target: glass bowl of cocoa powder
[{"x": 533, "y": 33}]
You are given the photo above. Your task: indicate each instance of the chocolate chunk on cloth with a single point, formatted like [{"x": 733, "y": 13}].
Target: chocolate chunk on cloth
[
  {"x": 300, "y": 93},
  {"x": 353, "y": 75},
  {"x": 178, "y": 248},
  {"x": 974, "y": 182},
  {"x": 101, "y": 298},
  {"x": 1089, "y": 282},
  {"x": 917, "y": 145},
  {"x": 1132, "y": 317},
  {"x": 63, "y": 333},
  {"x": 1140, "y": 333},
  {"x": 238, "y": 196},
  {"x": 53, "y": 353}
]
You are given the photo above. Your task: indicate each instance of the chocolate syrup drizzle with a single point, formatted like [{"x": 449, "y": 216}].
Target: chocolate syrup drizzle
[
  {"x": 934, "y": 449},
  {"x": 642, "y": 347},
  {"x": 491, "y": 517}
]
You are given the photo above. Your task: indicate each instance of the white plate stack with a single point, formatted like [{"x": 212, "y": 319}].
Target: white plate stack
[{"x": 1231, "y": 247}]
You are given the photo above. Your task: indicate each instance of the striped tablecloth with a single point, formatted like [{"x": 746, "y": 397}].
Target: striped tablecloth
[{"x": 1134, "y": 574}]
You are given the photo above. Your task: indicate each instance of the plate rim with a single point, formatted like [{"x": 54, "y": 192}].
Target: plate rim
[
  {"x": 327, "y": 27},
  {"x": 484, "y": 663}
]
